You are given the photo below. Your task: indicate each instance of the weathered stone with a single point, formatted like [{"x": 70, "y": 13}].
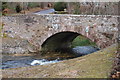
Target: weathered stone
[
  {"x": 12, "y": 46},
  {"x": 41, "y": 27}
]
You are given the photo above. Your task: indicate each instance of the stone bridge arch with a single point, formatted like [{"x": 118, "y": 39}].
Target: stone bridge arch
[
  {"x": 66, "y": 36},
  {"x": 59, "y": 41},
  {"x": 101, "y": 29}
]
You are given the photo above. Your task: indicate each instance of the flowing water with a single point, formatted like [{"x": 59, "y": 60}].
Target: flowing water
[
  {"x": 11, "y": 61},
  {"x": 14, "y": 61},
  {"x": 26, "y": 62}
]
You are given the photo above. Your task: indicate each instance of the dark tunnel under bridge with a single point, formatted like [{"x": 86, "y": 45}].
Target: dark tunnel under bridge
[{"x": 59, "y": 42}]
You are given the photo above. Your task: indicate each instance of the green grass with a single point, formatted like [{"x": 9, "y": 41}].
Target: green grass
[{"x": 82, "y": 41}]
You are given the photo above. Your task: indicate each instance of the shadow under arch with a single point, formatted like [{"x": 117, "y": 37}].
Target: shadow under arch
[{"x": 59, "y": 42}]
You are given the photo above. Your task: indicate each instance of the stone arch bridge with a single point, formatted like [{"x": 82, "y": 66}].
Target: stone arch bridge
[{"x": 58, "y": 30}]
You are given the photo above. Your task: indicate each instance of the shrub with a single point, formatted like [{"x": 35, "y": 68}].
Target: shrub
[
  {"x": 60, "y": 6},
  {"x": 18, "y": 8},
  {"x": 4, "y": 5}
]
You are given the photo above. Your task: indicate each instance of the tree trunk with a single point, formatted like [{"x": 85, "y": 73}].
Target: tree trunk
[{"x": 68, "y": 8}]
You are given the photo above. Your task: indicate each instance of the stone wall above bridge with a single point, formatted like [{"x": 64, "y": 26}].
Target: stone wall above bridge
[{"x": 101, "y": 29}]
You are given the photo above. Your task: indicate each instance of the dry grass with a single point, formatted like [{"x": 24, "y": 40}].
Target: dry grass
[{"x": 96, "y": 65}]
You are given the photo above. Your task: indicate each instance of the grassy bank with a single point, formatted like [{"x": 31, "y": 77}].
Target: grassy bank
[
  {"x": 96, "y": 65},
  {"x": 82, "y": 41}
]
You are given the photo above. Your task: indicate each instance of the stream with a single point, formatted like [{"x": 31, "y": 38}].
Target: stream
[{"x": 10, "y": 61}]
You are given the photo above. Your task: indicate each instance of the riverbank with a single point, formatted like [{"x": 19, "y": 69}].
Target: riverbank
[{"x": 96, "y": 65}]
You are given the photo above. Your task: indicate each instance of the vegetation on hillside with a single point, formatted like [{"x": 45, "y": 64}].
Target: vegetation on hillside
[
  {"x": 60, "y": 6},
  {"x": 4, "y": 5},
  {"x": 18, "y": 8},
  {"x": 82, "y": 41},
  {"x": 89, "y": 8}
]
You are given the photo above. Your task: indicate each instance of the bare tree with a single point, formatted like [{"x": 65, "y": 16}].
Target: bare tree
[{"x": 68, "y": 8}]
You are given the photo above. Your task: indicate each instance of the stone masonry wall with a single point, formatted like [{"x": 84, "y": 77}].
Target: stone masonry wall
[{"x": 36, "y": 29}]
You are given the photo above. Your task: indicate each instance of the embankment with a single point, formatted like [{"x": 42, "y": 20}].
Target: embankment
[{"x": 96, "y": 65}]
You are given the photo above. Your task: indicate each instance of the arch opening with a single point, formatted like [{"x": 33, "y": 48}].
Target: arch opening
[
  {"x": 65, "y": 42},
  {"x": 59, "y": 41}
]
